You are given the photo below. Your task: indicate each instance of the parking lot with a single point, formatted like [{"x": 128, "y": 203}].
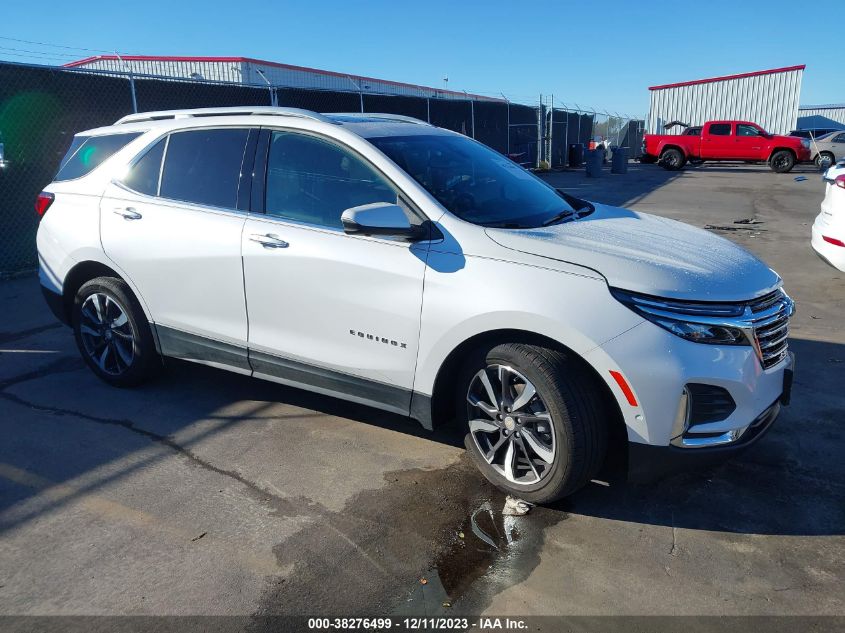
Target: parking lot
[{"x": 211, "y": 493}]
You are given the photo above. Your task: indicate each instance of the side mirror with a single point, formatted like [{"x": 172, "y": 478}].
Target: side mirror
[{"x": 380, "y": 218}]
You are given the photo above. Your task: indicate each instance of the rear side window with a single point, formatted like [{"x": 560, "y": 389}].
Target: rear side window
[
  {"x": 143, "y": 177},
  {"x": 204, "y": 167},
  {"x": 88, "y": 152},
  {"x": 720, "y": 129}
]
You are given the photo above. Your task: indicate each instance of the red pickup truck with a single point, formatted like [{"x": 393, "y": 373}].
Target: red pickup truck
[{"x": 725, "y": 141}]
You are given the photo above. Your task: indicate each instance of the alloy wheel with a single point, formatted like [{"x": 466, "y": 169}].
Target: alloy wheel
[
  {"x": 510, "y": 424},
  {"x": 107, "y": 334}
]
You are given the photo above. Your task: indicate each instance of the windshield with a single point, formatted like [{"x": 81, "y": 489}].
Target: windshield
[{"x": 474, "y": 182}]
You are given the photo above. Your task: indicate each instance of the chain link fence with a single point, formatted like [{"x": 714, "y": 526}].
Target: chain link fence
[{"x": 42, "y": 107}]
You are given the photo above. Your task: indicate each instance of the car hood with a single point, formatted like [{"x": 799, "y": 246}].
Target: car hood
[{"x": 648, "y": 254}]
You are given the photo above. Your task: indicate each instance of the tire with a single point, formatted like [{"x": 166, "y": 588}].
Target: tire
[
  {"x": 782, "y": 161},
  {"x": 672, "y": 159},
  {"x": 563, "y": 427},
  {"x": 120, "y": 351},
  {"x": 822, "y": 155}
]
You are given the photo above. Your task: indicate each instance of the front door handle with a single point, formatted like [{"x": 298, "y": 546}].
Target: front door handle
[
  {"x": 128, "y": 213},
  {"x": 268, "y": 240}
]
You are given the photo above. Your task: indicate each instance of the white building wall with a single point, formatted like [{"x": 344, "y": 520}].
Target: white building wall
[
  {"x": 769, "y": 99},
  {"x": 209, "y": 71},
  {"x": 245, "y": 71}
]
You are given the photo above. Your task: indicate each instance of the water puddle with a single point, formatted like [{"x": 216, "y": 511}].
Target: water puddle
[{"x": 485, "y": 554}]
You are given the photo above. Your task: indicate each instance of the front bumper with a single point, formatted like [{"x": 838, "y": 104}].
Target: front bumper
[
  {"x": 660, "y": 368},
  {"x": 647, "y": 463}
]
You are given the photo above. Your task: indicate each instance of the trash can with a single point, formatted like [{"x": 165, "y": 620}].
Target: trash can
[
  {"x": 594, "y": 158},
  {"x": 619, "y": 162},
  {"x": 576, "y": 154}
]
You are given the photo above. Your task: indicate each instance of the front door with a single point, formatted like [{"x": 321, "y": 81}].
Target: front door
[
  {"x": 748, "y": 142},
  {"x": 336, "y": 313},
  {"x": 175, "y": 232}
]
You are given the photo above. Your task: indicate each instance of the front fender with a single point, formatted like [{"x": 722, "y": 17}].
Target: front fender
[{"x": 485, "y": 295}]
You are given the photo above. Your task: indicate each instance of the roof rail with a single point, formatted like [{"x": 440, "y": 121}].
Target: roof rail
[
  {"x": 232, "y": 111},
  {"x": 377, "y": 115}
]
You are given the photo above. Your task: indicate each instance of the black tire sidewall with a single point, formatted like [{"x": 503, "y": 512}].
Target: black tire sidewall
[
  {"x": 144, "y": 352},
  {"x": 558, "y": 482},
  {"x": 783, "y": 170},
  {"x": 681, "y": 160}
]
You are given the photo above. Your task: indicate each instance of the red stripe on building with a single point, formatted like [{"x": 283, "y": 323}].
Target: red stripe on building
[{"x": 756, "y": 73}]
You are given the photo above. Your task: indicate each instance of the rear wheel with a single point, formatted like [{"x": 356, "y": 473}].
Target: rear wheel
[
  {"x": 672, "y": 159},
  {"x": 112, "y": 333},
  {"x": 535, "y": 423},
  {"x": 782, "y": 161}
]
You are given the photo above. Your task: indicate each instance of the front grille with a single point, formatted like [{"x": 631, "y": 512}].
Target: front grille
[{"x": 770, "y": 319}]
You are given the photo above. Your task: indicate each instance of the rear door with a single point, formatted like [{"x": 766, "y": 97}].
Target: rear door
[
  {"x": 173, "y": 226},
  {"x": 717, "y": 141},
  {"x": 837, "y": 145}
]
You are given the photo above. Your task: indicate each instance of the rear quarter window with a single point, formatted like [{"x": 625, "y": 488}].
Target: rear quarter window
[{"x": 86, "y": 153}]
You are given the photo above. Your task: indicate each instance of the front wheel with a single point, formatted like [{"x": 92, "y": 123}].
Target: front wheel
[
  {"x": 535, "y": 421},
  {"x": 112, "y": 334},
  {"x": 782, "y": 161},
  {"x": 821, "y": 156}
]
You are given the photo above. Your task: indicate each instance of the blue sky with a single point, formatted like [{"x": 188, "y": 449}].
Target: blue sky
[{"x": 599, "y": 54}]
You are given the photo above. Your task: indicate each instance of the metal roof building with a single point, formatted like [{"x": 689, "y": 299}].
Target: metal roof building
[
  {"x": 832, "y": 116},
  {"x": 767, "y": 97},
  {"x": 257, "y": 72}
]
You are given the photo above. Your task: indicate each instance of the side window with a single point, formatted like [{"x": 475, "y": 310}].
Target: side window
[
  {"x": 720, "y": 129},
  {"x": 204, "y": 166},
  {"x": 746, "y": 130},
  {"x": 87, "y": 153},
  {"x": 143, "y": 177},
  {"x": 839, "y": 138},
  {"x": 313, "y": 181}
]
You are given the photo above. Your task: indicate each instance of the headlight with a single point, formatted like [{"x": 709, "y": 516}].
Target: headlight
[
  {"x": 805, "y": 143},
  {"x": 699, "y": 322}
]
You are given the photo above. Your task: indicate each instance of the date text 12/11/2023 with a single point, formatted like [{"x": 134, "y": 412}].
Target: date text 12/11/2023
[{"x": 418, "y": 624}]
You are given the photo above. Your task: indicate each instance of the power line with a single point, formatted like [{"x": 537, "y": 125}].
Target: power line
[
  {"x": 28, "y": 56},
  {"x": 42, "y": 53},
  {"x": 70, "y": 48}
]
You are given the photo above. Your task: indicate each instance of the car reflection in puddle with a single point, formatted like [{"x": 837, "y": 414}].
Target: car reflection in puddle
[{"x": 489, "y": 552}]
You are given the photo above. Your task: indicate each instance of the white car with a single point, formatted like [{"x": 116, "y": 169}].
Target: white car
[
  {"x": 388, "y": 262},
  {"x": 828, "y": 236}
]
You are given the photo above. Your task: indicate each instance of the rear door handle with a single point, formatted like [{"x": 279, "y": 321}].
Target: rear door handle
[
  {"x": 268, "y": 240},
  {"x": 128, "y": 213}
]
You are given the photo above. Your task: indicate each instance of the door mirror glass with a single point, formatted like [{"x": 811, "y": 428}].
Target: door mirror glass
[{"x": 380, "y": 218}]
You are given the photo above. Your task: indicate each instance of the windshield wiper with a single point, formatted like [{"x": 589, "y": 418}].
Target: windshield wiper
[
  {"x": 560, "y": 216},
  {"x": 506, "y": 225}
]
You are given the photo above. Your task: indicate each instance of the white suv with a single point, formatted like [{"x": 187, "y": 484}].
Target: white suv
[{"x": 388, "y": 262}]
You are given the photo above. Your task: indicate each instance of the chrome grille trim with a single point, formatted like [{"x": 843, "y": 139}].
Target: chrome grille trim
[{"x": 770, "y": 323}]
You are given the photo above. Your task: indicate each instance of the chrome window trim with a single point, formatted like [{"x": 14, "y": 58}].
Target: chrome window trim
[{"x": 158, "y": 198}]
